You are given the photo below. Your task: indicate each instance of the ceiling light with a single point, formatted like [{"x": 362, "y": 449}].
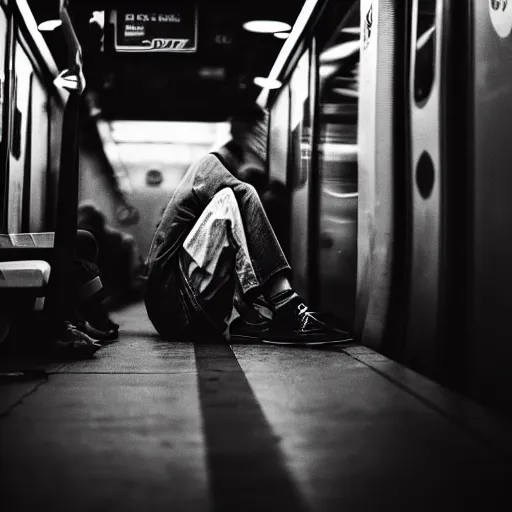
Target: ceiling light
[
  {"x": 344, "y": 91},
  {"x": 327, "y": 70},
  {"x": 424, "y": 38},
  {"x": 49, "y": 25},
  {"x": 340, "y": 51},
  {"x": 282, "y": 35},
  {"x": 266, "y": 26},
  {"x": 98, "y": 17},
  {"x": 351, "y": 30},
  {"x": 269, "y": 83}
]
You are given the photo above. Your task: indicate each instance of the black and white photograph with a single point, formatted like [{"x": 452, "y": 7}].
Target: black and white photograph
[{"x": 255, "y": 255}]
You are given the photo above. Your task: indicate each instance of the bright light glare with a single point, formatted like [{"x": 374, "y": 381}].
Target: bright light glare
[
  {"x": 423, "y": 39},
  {"x": 327, "y": 70},
  {"x": 340, "y": 51},
  {"x": 351, "y": 30},
  {"x": 342, "y": 91},
  {"x": 99, "y": 18},
  {"x": 164, "y": 132},
  {"x": 270, "y": 83},
  {"x": 49, "y": 25},
  {"x": 266, "y": 26},
  {"x": 282, "y": 35},
  {"x": 212, "y": 73}
]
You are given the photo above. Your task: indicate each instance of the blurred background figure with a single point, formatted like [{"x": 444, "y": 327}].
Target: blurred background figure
[
  {"x": 276, "y": 204},
  {"x": 118, "y": 260},
  {"x": 273, "y": 195}
]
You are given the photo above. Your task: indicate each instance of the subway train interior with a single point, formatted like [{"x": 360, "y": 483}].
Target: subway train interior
[{"x": 388, "y": 161}]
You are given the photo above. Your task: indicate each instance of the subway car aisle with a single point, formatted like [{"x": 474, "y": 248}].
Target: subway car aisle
[{"x": 149, "y": 425}]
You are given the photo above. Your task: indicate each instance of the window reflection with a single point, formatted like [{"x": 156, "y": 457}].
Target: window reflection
[
  {"x": 300, "y": 156},
  {"x": 338, "y": 169},
  {"x": 425, "y": 50}
]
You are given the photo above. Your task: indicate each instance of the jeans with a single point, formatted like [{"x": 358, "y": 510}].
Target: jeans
[{"x": 221, "y": 262}]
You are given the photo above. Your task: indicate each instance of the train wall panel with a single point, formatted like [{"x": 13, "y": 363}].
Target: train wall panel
[
  {"x": 3, "y": 48},
  {"x": 279, "y": 139},
  {"x": 491, "y": 340},
  {"x": 39, "y": 156},
  {"x": 56, "y": 112},
  {"x": 426, "y": 181},
  {"x": 300, "y": 179},
  {"x": 23, "y": 70},
  {"x": 376, "y": 148}
]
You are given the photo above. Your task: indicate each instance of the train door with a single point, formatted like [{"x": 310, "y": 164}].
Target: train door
[
  {"x": 300, "y": 177},
  {"x": 426, "y": 182},
  {"x": 437, "y": 184},
  {"x": 4, "y": 29},
  {"x": 4, "y": 113},
  {"x": 490, "y": 242},
  {"x": 338, "y": 170},
  {"x": 278, "y": 137},
  {"x": 279, "y": 162},
  {"x": 380, "y": 147}
]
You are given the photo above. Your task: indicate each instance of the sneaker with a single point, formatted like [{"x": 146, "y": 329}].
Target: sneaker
[
  {"x": 303, "y": 328},
  {"x": 97, "y": 315},
  {"x": 243, "y": 330},
  {"x": 103, "y": 337},
  {"x": 75, "y": 344}
]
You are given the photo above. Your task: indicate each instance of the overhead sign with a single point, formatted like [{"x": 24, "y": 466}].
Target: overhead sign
[{"x": 171, "y": 29}]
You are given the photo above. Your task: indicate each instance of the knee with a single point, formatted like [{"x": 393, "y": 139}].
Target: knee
[
  {"x": 224, "y": 195},
  {"x": 224, "y": 201},
  {"x": 86, "y": 246},
  {"x": 227, "y": 196}
]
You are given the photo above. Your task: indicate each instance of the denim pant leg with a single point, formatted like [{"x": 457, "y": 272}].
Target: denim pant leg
[{"x": 215, "y": 258}]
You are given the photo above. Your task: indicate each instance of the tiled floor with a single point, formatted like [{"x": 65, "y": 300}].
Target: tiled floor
[{"x": 149, "y": 425}]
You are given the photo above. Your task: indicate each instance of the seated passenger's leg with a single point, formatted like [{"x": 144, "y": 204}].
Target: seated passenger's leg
[
  {"x": 214, "y": 254},
  {"x": 91, "y": 314},
  {"x": 86, "y": 246}
]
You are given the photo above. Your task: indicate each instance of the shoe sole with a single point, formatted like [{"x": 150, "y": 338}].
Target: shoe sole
[
  {"x": 308, "y": 343},
  {"x": 244, "y": 338}
]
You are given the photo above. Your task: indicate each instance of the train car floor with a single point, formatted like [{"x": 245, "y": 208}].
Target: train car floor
[{"x": 153, "y": 426}]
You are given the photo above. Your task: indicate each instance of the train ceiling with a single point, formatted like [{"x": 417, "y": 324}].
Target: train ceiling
[{"x": 209, "y": 84}]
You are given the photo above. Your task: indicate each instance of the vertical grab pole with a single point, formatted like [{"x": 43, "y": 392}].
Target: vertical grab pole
[{"x": 62, "y": 289}]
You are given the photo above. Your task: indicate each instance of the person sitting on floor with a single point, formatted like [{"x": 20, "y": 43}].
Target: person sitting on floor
[{"x": 215, "y": 249}]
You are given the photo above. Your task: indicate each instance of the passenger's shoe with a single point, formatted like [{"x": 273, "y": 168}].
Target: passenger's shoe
[
  {"x": 96, "y": 315},
  {"x": 75, "y": 344},
  {"x": 242, "y": 330},
  {"x": 103, "y": 337},
  {"x": 303, "y": 328}
]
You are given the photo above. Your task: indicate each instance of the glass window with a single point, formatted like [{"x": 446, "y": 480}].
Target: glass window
[
  {"x": 338, "y": 168},
  {"x": 425, "y": 49},
  {"x": 300, "y": 125},
  {"x": 38, "y": 156},
  {"x": 3, "y": 48},
  {"x": 23, "y": 69},
  {"x": 278, "y": 140}
]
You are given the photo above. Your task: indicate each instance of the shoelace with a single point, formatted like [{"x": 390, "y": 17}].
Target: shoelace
[{"x": 306, "y": 316}]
